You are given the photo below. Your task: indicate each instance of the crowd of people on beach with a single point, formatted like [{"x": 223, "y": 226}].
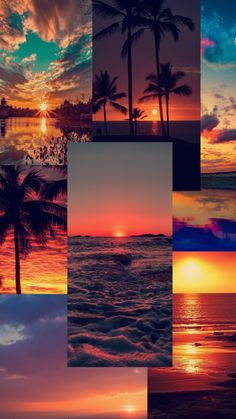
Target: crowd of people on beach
[{"x": 55, "y": 151}]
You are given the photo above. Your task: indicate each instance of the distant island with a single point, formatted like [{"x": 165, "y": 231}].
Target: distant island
[
  {"x": 148, "y": 235},
  {"x": 133, "y": 235}
]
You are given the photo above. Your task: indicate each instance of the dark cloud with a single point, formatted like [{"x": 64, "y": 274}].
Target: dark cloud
[
  {"x": 209, "y": 122},
  {"x": 218, "y": 234},
  {"x": 225, "y": 136}
]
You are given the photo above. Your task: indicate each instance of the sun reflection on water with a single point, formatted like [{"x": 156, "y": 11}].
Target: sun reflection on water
[{"x": 43, "y": 126}]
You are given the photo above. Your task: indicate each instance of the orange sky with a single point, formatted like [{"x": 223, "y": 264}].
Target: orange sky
[
  {"x": 120, "y": 188},
  {"x": 179, "y": 111},
  {"x": 204, "y": 272},
  {"x": 35, "y": 381}
]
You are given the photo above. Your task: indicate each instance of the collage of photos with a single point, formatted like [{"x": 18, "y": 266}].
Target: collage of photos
[{"x": 117, "y": 209}]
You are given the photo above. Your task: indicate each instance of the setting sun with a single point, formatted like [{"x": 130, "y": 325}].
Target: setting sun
[
  {"x": 119, "y": 234},
  {"x": 43, "y": 106},
  {"x": 129, "y": 409},
  {"x": 203, "y": 272},
  {"x": 154, "y": 112}
]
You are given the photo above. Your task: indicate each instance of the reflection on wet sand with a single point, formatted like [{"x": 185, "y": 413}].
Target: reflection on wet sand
[{"x": 204, "y": 359}]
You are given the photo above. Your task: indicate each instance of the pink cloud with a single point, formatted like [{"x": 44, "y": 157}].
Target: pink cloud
[{"x": 205, "y": 43}]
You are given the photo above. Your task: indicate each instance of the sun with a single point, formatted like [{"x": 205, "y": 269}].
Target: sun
[
  {"x": 43, "y": 106},
  {"x": 119, "y": 234},
  {"x": 154, "y": 112},
  {"x": 129, "y": 409}
]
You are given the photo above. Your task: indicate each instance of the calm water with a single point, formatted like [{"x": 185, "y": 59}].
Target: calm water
[
  {"x": 19, "y": 136},
  {"x": 185, "y": 130},
  {"x": 205, "y": 220},
  {"x": 204, "y": 351},
  {"x": 204, "y": 311},
  {"x": 119, "y": 301}
]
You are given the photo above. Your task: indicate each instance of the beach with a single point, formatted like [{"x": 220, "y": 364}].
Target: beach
[
  {"x": 120, "y": 302},
  {"x": 204, "y": 359}
]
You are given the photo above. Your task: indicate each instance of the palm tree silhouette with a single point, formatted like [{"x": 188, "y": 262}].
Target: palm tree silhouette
[
  {"x": 125, "y": 13},
  {"x": 105, "y": 91},
  {"x": 138, "y": 115},
  {"x": 167, "y": 86},
  {"x": 161, "y": 21},
  {"x": 26, "y": 211}
]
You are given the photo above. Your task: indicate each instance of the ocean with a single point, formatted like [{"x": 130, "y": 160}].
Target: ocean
[
  {"x": 120, "y": 302},
  {"x": 184, "y": 130},
  {"x": 204, "y": 344},
  {"x": 204, "y": 312}
]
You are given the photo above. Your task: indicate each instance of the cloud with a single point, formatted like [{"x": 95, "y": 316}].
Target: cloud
[
  {"x": 218, "y": 41},
  {"x": 218, "y": 234},
  {"x": 30, "y": 58},
  {"x": 209, "y": 122},
  {"x": 35, "y": 370},
  {"x": 206, "y": 43},
  {"x": 224, "y": 136},
  {"x": 61, "y": 21},
  {"x": 65, "y": 22}
]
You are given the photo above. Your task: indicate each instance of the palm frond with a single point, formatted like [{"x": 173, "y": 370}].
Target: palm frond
[{"x": 134, "y": 38}]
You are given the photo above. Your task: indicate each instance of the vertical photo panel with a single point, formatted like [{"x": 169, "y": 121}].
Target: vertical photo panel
[
  {"x": 146, "y": 78},
  {"x": 201, "y": 383},
  {"x": 33, "y": 230},
  {"x": 35, "y": 381},
  {"x": 45, "y": 79},
  {"x": 120, "y": 276}
]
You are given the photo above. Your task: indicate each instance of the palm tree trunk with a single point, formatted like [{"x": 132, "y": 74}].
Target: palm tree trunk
[
  {"x": 167, "y": 116},
  {"x": 158, "y": 82},
  {"x": 130, "y": 84},
  {"x": 105, "y": 118},
  {"x": 17, "y": 261}
]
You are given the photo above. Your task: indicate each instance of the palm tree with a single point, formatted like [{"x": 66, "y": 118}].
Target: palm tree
[
  {"x": 167, "y": 86},
  {"x": 138, "y": 115},
  {"x": 124, "y": 14},
  {"x": 57, "y": 188},
  {"x": 169, "y": 81},
  {"x": 26, "y": 212},
  {"x": 160, "y": 21},
  {"x": 105, "y": 91}
]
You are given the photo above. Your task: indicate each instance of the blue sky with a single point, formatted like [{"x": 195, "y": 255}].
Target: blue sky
[
  {"x": 218, "y": 71},
  {"x": 45, "y": 51}
]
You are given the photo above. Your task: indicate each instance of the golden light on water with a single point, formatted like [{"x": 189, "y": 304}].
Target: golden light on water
[{"x": 43, "y": 126}]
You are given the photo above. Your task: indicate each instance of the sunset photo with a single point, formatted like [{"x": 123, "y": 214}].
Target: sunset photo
[
  {"x": 201, "y": 383},
  {"x": 218, "y": 93},
  {"x": 33, "y": 230},
  {"x": 148, "y": 87},
  {"x": 204, "y": 220},
  {"x": 45, "y": 79},
  {"x": 120, "y": 228},
  {"x": 35, "y": 381}
]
